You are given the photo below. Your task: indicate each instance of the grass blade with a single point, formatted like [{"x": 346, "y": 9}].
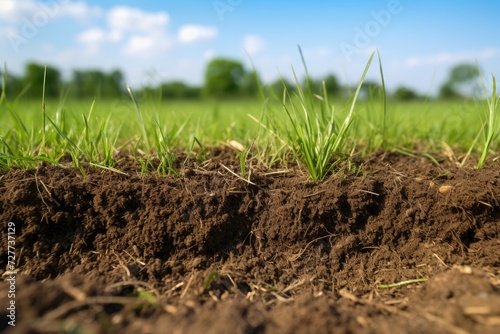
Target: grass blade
[
  {"x": 66, "y": 138},
  {"x": 491, "y": 128},
  {"x": 3, "y": 95},
  {"x": 43, "y": 107},
  {"x": 348, "y": 120},
  {"x": 384, "y": 98},
  {"x": 142, "y": 125}
]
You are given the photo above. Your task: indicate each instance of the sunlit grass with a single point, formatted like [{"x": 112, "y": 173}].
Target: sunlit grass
[
  {"x": 316, "y": 130},
  {"x": 492, "y": 125},
  {"x": 317, "y": 133}
]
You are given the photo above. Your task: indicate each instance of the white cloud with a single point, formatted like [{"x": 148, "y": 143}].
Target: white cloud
[
  {"x": 253, "y": 44},
  {"x": 92, "y": 36},
  {"x": 80, "y": 10},
  {"x": 140, "y": 32},
  {"x": 140, "y": 44},
  {"x": 126, "y": 19},
  {"x": 450, "y": 58},
  {"x": 196, "y": 33},
  {"x": 148, "y": 45},
  {"x": 92, "y": 39},
  {"x": 15, "y": 10}
]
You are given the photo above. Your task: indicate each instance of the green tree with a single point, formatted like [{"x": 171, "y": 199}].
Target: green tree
[
  {"x": 34, "y": 74},
  {"x": 179, "y": 90},
  {"x": 92, "y": 83},
  {"x": 278, "y": 86},
  {"x": 461, "y": 81},
  {"x": 464, "y": 73},
  {"x": 447, "y": 91},
  {"x": 113, "y": 84},
  {"x": 13, "y": 85},
  {"x": 223, "y": 78},
  {"x": 370, "y": 89},
  {"x": 249, "y": 85},
  {"x": 405, "y": 94},
  {"x": 86, "y": 83},
  {"x": 312, "y": 85},
  {"x": 332, "y": 85}
]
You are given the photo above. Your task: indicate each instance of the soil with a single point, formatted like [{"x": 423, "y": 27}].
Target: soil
[{"x": 209, "y": 252}]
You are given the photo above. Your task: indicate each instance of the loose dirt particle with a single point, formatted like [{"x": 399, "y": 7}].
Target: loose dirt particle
[{"x": 445, "y": 189}]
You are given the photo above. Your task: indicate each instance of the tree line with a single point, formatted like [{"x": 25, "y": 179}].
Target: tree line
[
  {"x": 83, "y": 83},
  {"x": 223, "y": 78}
]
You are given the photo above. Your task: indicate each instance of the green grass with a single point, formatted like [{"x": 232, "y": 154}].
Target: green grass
[
  {"x": 92, "y": 131},
  {"x": 317, "y": 133},
  {"x": 301, "y": 127},
  {"x": 491, "y": 126}
]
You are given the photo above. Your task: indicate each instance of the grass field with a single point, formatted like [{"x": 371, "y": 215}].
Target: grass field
[
  {"x": 316, "y": 129},
  {"x": 96, "y": 128}
]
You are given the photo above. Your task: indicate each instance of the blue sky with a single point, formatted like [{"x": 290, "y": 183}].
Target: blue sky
[{"x": 153, "y": 41}]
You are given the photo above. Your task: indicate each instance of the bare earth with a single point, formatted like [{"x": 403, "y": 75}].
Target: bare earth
[{"x": 210, "y": 253}]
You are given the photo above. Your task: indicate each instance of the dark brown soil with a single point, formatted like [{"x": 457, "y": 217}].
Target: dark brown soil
[{"x": 210, "y": 253}]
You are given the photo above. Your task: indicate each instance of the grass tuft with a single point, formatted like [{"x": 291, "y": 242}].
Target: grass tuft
[{"x": 317, "y": 135}]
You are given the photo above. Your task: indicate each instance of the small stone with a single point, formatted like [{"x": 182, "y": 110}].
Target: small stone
[
  {"x": 236, "y": 145},
  {"x": 445, "y": 189}
]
